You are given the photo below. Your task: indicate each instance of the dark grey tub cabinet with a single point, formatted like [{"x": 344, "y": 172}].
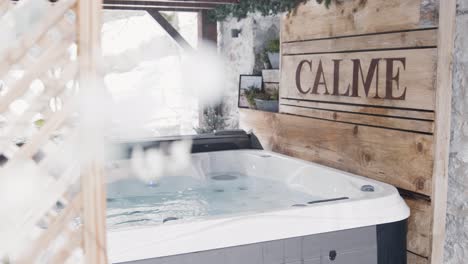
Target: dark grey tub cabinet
[{"x": 381, "y": 244}]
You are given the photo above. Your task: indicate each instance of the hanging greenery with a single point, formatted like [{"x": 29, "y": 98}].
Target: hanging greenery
[{"x": 265, "y": 7}]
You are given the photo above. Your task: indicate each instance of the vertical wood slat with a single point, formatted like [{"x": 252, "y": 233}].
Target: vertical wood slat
[
  {"x": 447, "y": 15},
  {"x": 92, "y": 182}
]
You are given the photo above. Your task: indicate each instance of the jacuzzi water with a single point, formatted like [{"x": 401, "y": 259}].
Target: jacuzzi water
[{"x": 134, "y": 203}]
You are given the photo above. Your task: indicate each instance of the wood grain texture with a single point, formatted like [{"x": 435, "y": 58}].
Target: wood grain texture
[
  {"x": 413, "y": 114},
  {"x": 395, "y": 40},
  {"x": 417, "y": 77},
  {"x": 415, "y": 259},
  {"x": 400, "y": 158},
  {"x": 92, "y": 179},
  {"x": 356, "y": 118},
  {"x": 419, "y": 227},
  {"x": 356, "y": 17},
  {"x": 442, "y": 132}
]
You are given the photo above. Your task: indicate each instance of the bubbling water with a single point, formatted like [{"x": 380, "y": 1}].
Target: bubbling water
[{"x": 184, "y": 198}]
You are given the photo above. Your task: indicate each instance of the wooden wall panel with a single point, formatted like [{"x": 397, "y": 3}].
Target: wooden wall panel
[
  {"x": 355, "y": 17},
  {"x": 392, "y": 40},
  {"x": 419, "y": 227},
  {"x": 415, "y": 259},
  {"x": 422, "y": 126},
  {"x": 367, "y": 151},
  {"x": 376, "y": 50},
  {"x": 363, "y": 109},
  {"x": 370, "y": 154}
]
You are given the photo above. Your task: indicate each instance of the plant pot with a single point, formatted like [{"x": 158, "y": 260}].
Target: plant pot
[
  {"x": 274, "y": 59},
  {"x": 267, "y": 105}
]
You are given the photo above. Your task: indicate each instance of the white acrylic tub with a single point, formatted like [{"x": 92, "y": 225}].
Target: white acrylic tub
[{"x": 362, "y": 209}]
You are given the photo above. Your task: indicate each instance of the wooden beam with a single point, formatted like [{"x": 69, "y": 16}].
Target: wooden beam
[
  {"x": 207, "y": 29},
  {"x": 156, "y": 8},
  {"x": 167, "y": 4},
  {"x": 92, "y": 179},
  {"x": 155, "y": 4},
  {"x": 447, "y": 16},
  {"x": 170, "y": 29},
  {"x": 107, "y": 7},
  {"x": 220, "y": 2}
]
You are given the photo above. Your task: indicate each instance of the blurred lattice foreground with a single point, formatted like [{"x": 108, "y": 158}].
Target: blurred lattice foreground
[{"x": 52, "y": 204}]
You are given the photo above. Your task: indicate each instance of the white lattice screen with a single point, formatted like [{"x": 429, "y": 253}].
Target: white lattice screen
[{"x": 47, "y": 47}]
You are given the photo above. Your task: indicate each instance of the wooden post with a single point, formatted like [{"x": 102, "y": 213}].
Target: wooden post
[
  {"x": 447, "y": 16},
  {"x": 92, "y": 182},
  {"x": 207, "y": 30}
]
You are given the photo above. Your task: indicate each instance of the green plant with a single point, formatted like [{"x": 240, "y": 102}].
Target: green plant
[
  {"x": 274, "y": 95},
  {"x": 250, "y": 95},
  {"x": 273, "y": 46},
  {"x": 256, "y": 93},
  {"x": 39, "y": 123},
  {"x": 264, "y": 7},
  {"x": 213, "y": 120}
]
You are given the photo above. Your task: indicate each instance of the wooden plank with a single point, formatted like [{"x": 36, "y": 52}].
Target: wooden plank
[
  {"x": 415, "y": 259},
  {"x": 157, "y": 7},
  {"x": 395, "y": 40},
  {"x": 399, "y": 158},
  {"x": 356, "y": 118},
  {"x": 73, "y": 242},
  {"x": 400, "y": 78},
  {"x": 172, "y": 3},
  {"x": 442, "y": 132},
  {"x": 162, "y": 21},
  {"x": 356, "y": 17},
  {"x": 146, "y": 8},
  {"x": 92, "y": 180},
  {"x": 419, "y": 227},
  {"x": 35, "y": 142},
  {"x": 413, "y": 114}
]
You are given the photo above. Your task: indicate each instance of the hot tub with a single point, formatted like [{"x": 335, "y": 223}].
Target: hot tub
[{"x": 258, "y": 207}]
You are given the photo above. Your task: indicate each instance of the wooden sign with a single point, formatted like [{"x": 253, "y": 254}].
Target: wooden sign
[
  {"x": 358, "y": 86},
  {"x": 403, "y": 79}
]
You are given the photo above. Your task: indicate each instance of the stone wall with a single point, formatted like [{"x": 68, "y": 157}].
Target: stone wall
[
  {"x": 456, "y": 245},
  {"x": 242, "y": 53}
]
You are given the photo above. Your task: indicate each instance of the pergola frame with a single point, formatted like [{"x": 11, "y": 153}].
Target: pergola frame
[
  {"x": 206, "y": 28},
  {"x": 168, "y": 5}
]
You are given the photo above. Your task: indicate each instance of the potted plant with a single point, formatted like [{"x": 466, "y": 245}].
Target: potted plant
[
  {"x": 261, "y": 100},
  {"x": 272, "y": 50},
  {"x": 213, "y": 120}
]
